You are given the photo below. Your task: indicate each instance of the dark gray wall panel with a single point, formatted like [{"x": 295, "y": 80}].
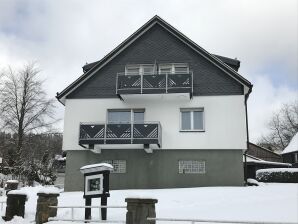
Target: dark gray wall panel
[
  {"x": 160, "y": 46},
  {"x": 159, "y": 169}
]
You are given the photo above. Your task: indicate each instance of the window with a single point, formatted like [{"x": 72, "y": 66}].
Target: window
[
  {"x": 163, "y": 69},
  {"x": 295, "y": 157},
  {"x": 126, "y": 116},
  {"x": 119, "y": 165},
  {"x": 192, "y": 119},
  {"x": 119, "y": 117},
  {"x": 132, "y": 70},
  {"x": 139, "y": 69},
  {"x": 138, "y": 116},
  {"x": 173, "y": 68},
  {"x": 192, "y": 166},
  {"x": 149, "y": 69}
]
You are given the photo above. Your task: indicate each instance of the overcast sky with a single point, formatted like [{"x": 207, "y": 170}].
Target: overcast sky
[{"x": 63, "y": 35}]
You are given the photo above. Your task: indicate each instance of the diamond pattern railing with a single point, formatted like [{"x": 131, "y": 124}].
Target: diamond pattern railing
[
  {"x": 137, "y": 133},
  {"x": 155, "y": 83}
]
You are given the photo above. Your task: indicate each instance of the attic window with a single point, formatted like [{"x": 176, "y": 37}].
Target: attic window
[
  {"x": 146, "y": 69},
  {"x": 175, "y": 68}
]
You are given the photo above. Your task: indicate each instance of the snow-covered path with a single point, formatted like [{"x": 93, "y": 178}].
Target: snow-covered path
[{"x": 270, "y": 202}]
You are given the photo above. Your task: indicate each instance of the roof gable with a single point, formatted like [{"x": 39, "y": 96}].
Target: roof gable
[{"x": 141, "y": 31}]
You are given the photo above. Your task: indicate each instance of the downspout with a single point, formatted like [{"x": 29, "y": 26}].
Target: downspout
[{"x": 247, "y": 135}]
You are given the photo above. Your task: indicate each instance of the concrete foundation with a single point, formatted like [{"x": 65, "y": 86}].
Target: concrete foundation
[{"x": 158, "y": 169}]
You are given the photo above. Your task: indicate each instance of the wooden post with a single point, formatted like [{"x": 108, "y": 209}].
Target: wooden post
[
  {"x": 88, "y": 210},
  {"x": 104, "y": 200},
  {"x": 15, "y": 205},
  {"x": 43, "y": 211}
]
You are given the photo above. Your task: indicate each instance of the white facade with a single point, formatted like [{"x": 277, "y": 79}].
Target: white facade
[{"x": 224, "y": 118}]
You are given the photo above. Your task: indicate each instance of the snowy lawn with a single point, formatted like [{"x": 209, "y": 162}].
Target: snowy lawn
[{"x": 269, "y": 202}]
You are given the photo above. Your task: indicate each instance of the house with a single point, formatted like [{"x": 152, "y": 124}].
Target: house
[
  {"x": 253, "y": 164},
  {"x": 258, "y": 157},
  {"x": 290, "y": 153},
  {"x": 263, "y": 153},
  {"x": 162, "y": 110}
]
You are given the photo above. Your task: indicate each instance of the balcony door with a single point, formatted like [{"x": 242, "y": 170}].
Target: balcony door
[{"x": 125, "y": 116}]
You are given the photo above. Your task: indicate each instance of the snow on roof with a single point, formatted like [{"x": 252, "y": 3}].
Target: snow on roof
[
  {"x": 293, "y": 146},
  {"x": 96, "y": 167},
  {"x": 250, "y": 158},
  {"x": 271, "y": 170},
  {"x": 260, "y": 161}
]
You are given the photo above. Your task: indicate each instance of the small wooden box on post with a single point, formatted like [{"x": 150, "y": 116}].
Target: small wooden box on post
[{"x": 96, "y": 185}]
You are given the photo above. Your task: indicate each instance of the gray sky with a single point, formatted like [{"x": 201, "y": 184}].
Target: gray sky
[{"x": 63, "y": 35}]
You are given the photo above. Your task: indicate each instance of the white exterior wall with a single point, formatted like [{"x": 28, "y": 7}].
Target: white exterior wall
[{"x": 225, "y": 126}]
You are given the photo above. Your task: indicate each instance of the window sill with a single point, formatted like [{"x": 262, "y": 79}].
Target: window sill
[{"x": 191, "y": 130}]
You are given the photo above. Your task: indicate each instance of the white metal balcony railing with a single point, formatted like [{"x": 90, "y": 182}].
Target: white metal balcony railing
[
  {"x": 154, "y": 83},
  {"x": 122, "y": 133}
]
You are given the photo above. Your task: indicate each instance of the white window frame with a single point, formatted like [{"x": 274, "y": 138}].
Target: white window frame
[
  {"x": 121, "y": 165},
  {"x": 140, "y": 67},
  {"x": 191, "y": 165},
  {"x": 98, "y": 176},
  {"x": 125, "y": 110},
  {"x": 172, "y": 66},
  {"x": 191, "y": 110}
]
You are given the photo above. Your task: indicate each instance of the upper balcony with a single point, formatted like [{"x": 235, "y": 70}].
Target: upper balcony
[
  {"x": 120, "y": 133},
  {"x": 157, "y": 83}
]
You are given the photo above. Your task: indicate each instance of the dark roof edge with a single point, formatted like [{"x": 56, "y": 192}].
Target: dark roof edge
[
  {"x": 132, "y": 37},
  {"x": 217, "y": 61},
  {"x": 231, "y": 61},
  {"x": 105, "y": 58}
]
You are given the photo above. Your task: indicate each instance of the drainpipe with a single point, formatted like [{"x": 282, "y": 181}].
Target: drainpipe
[{"x": 247, "y": 134}]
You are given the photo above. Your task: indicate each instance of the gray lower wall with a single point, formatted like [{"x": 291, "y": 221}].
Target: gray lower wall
[{"x": 159, "y": 169}]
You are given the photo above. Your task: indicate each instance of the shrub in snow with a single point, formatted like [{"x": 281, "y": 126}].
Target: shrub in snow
[
  {"x": 252, "y": 182},
  {"x": 41, "y": 171},
  {"x": 279, "y": 175}
]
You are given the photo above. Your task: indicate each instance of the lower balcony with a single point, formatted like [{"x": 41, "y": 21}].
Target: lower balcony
[{"x": 137, "y": 133}]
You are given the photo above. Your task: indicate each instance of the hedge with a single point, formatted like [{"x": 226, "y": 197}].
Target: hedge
[{"x": 278, "y": 175}]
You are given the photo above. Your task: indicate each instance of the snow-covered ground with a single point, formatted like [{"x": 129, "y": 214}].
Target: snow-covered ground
[{"x": 268, "y": 202}]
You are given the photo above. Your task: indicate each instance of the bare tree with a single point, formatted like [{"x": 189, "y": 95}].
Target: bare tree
[
  {"x": 24, "y": 106},
  {"x": 283, "y": 125}
]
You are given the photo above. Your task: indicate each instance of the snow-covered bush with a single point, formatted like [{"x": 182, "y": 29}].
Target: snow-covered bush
[
  {"x": 280, "y": 175},
  {"x": 252, "y": 182}
]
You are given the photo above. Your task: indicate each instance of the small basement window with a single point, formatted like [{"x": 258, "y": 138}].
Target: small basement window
[
  {"x": 119, "y": 165},
  {"x": 192, "y": 119},
  {"x": 191, "y": 167}
]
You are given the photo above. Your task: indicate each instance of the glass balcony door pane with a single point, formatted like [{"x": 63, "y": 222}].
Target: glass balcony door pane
[
  {"x": 181, "y": 69},
  {"x": 119, "y": 117},
  {"x": 148, "y": 69},
  {"x": 164, "y": 69},
  {"x": 138, "y": 117},
  {"x": 185, "y": 120},
  {"x": 132, "y": 70}
]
